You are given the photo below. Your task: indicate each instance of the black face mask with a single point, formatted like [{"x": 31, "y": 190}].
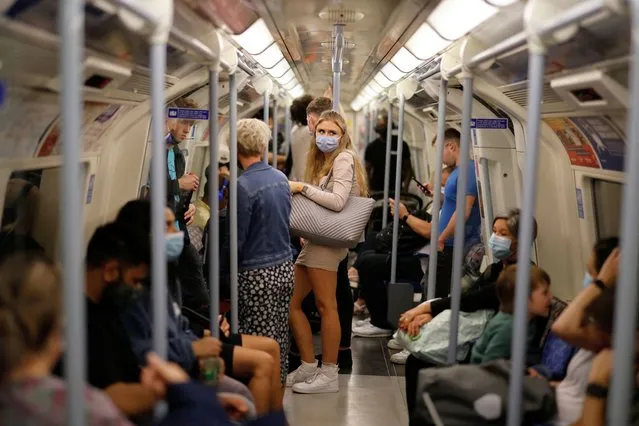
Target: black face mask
[
  {"x": 120, "y": 295},
  {"x": 381, "y": 130}
]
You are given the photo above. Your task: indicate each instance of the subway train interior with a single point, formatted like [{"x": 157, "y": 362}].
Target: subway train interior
[{"x": 478, "y": 153}]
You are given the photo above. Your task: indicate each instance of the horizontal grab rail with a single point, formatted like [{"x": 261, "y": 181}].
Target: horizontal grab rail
[{"x": 175, "y": 35}]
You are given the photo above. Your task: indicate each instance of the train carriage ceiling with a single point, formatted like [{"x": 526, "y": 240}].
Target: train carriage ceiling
[{"x": 374, "y": 31}]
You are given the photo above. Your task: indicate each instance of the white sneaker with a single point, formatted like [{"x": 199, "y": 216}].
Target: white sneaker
[
  {"x": 325, "y": 380},
  {"x": 400, "y": 357},
  {"x": 369, "y": 330},
  {"x": 394, "y": 345},
  {"x": 360, "y": 323},
  {"x": 303, "y": 373}
]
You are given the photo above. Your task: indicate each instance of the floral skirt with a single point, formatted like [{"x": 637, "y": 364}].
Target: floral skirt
[{"x": 264, "y": 306}]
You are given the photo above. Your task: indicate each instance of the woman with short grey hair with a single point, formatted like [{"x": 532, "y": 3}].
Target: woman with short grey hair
[{"x": 265, "y": 281}]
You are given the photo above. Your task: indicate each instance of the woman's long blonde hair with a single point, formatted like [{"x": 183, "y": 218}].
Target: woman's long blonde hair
[{"x": 318, "y": 166}]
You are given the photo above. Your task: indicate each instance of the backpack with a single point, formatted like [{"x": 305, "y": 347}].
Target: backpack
[{"x": 478, "y": 394}]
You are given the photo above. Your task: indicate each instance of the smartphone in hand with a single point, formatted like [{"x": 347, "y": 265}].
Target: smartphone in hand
[{"x": 422, "y": 187}]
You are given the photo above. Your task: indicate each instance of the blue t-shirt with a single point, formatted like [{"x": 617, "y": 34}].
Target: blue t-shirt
[{"x": 473, "y": 224}]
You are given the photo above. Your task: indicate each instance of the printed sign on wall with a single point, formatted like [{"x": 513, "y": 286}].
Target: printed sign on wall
[
  {"x": 580, "y": 204},
  {"x": 575, "y": 142},
  {"x": 591, "y": 141},
  {"x": 489, "y": 123},
  {"x": 188, "y": 114},
  {"x": 606, "y": 140}
]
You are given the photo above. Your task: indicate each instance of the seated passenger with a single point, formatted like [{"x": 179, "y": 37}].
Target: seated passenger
[
  {"x": 250, "y": 357},
  {"x": 31, "y": 316},
  {"x": 115, "y": 269},
  {"x": 573, "y": 326},
  {"x": 374, "y": 270},
  {"x": 600, "y": 312},
  {"x": 31, "y": 334},
  {"x": 503, "y": 245},
  {"x": 483, "y": 295},
  {"x": 495, "y": 341}
]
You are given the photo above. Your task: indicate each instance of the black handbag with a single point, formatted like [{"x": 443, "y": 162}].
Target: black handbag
[{"x": 409, "y": 241}]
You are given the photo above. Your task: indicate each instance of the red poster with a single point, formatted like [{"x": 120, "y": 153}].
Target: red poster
[{"x": 575, "y": 142}]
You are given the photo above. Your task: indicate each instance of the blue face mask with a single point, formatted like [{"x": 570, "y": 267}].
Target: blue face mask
[
  {"x": 500, "y": 246},
  {"x": 327, "y": 143},
  {"x": 174, "y": 246},
  {"x": 587, "y": 279}
]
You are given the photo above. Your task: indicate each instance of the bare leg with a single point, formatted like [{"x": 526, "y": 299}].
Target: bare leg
[
  {"x": 257, "y": 365},
  {"x": 271, "y": 347},
  {"x": 324, "y": 284},
  {"x": 299, "y": 323}
]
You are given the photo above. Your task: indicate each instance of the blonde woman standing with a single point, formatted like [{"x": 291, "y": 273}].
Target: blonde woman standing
[{"x": 333, "y": 165}]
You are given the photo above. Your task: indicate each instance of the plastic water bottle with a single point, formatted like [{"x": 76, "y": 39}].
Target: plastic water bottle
[{"x": 210, "y": 371}]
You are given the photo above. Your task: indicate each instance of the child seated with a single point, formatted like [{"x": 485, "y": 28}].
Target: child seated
[{"x": 495, "y": 341}]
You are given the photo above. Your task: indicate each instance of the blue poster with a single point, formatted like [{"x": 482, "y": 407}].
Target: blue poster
[
  {"x": 188, "y": 114},
  {"x": 489, "y": 123},
  {"x": 607, "y": 142}
]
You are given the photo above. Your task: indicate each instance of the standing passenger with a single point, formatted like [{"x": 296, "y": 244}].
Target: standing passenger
[
  {"x": 332, "y": 162},
  {"x": 265, "y": 279},
  {"x": 343, "y": 291},
  {"x": 180, "y": 188},
  {"x": 449, "y": 213},
  {"x": 301, "y": 138},
  {"x": 375, "y": 159}
]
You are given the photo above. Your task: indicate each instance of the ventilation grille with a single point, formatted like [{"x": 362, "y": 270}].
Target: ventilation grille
[
  {"x": 452, "y": 113},
  {"x": 520, "y": 96},
  {"x": 141, "y": 84},
  {"x": 340, "y": 15},
  {"x": 329, "y": 44}
]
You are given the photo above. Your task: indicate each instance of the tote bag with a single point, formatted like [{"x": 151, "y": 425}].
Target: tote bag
[{"x": 329, "y": 228}]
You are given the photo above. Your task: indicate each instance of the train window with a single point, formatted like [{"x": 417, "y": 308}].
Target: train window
[
  {"x": 607, "y": 202},
  {"x": 31, "y": 211}
]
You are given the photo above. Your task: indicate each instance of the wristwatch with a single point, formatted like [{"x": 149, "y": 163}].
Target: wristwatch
[
  {"x": 600, "y": 284},
  {"x": 595, "y": 390},
  {"x": 405, "y": 218}
]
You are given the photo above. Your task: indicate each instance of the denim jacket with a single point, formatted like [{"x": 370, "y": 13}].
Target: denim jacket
[{"x": 263, "y": 211}]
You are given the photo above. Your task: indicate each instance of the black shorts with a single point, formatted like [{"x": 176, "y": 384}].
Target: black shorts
[{"x": 228, "y": 347}]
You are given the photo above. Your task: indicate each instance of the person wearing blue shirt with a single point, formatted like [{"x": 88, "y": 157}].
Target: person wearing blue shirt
[{"x": 448, "y": 218}]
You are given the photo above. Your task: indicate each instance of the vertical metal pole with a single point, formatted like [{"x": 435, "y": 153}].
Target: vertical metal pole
[
  {"x": 398, "y": 188},
  {"x": 623, "y": 376},
  {"x": 536, "y": 65},
  {"x": 460, "y": 221},
  {"x": 233, "y": 197},
  {"x": 266, "y": 113},
  {"x": 158, "y": 200},
  {"x": 338, "y": 53},
  {"x": 274, "y": 135},
  {"x": 71, "y": 27},
  {"x": 367, "y": 132},
  {"x": 288, "y": 126},
  {"x": 487, "y": 191},
  {"x": 214, "y": 203},
  {"x": 387, "y": 162},
  {"x": 336, "y": 88},
  {"x": 437, "y": 189}
]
